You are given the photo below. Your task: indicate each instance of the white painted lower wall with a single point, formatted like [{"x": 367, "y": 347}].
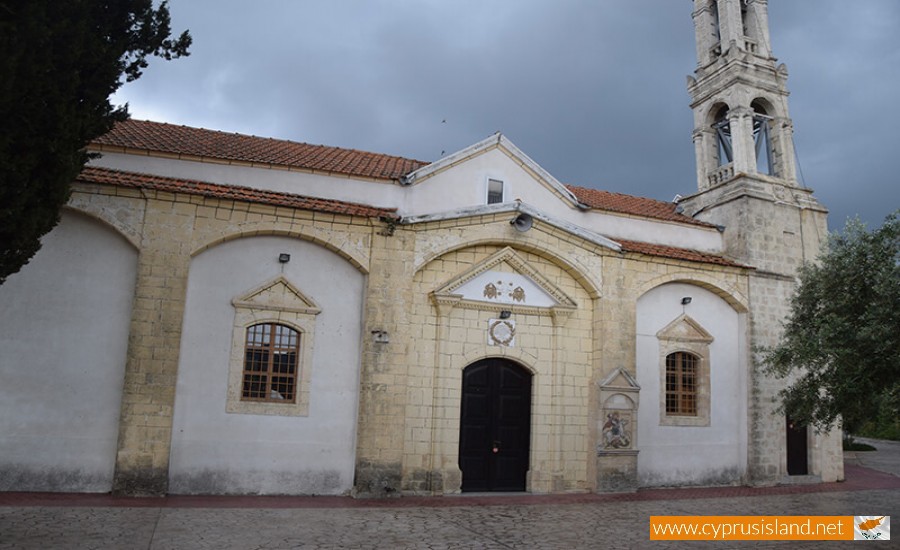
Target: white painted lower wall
[
  {"x": 693, "y": 455},
  {"x": 218, "y": 452},
  {"x": 63, "y": 342}
]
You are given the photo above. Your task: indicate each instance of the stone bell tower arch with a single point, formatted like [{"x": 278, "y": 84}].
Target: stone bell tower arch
[{"x": 747, "y": 183}]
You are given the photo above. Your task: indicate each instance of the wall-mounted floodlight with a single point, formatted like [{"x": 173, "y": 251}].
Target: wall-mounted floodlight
[
  {"x": 284, "y": 258},
  {"x": 686, "y": 300},
  {"x": 522, "y": 222},
  {"x": 505, "y": 314}
]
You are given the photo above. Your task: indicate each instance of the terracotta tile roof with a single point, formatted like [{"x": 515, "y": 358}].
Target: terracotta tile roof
[
  {"x": 171, "y": 139},
  {"x": 676, "y": 253},
  {"x": 211, "y": 144},
  {"x": 629, "y": 204},
  {"x": 106, "y": 176}
]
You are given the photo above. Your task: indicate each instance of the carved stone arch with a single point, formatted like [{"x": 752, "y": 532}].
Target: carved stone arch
[
  {"x": 107, "y": 220},
  {"x": 764, "y": 105},
  {"x": 732, "y": 295},
  {"x": 590, "y": 286},
  {"x": 358, "y": 262},
  {"x": 712, "y": 113},
  {"x": 477, "y": 353},
  {"x": 719, "y": 142}
]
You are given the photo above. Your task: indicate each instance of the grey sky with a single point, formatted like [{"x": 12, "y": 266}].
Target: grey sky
[{"x": 594, "y": 91}]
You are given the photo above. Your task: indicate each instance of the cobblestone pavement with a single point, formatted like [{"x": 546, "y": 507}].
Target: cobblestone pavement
[{"x": 557, "y": 522}]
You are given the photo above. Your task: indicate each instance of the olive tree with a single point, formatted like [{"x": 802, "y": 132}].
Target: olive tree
[{"x": 841, "y": 342}]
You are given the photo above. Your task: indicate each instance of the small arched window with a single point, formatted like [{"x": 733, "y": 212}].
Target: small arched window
[
  {"x": 681, "y": 383},
  {"x": 271, "y": 354}
]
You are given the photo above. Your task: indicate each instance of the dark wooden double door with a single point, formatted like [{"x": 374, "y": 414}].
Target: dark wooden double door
[{"x": 495, "y": 426}]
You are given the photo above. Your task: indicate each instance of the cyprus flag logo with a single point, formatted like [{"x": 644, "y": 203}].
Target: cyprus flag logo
[{"x": 871, "y": 527}]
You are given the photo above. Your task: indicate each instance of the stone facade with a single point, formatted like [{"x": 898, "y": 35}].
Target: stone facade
[
  {"x": 396, "y": 295},
  {"x": 173, "y": 228}
]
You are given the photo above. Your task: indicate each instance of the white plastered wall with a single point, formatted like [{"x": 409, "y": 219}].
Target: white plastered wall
[
  {"x": 63, "y": 343},
  {"x": 693, "y": 455},
  {"x": 218, "y": 452},
  {"x": 376, "y": 193}
]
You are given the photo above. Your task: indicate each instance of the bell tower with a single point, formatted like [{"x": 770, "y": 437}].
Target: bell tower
[
  {"x": 747, "y": 183},
  {"x": 739, "y": 96}
]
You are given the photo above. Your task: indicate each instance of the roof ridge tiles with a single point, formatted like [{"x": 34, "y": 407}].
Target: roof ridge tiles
[
  {"x": 619, "y": 193},
  {"x": 202, "y": 142},
  {"x": 632, "y": 204},
  {"x": 677, "y": 253}
]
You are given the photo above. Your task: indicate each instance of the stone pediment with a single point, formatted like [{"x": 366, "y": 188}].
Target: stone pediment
[
  {"x": 685, "y": 329},
  {"x": 504, "y": 281},
  {"x": 619, "y": 379},
  {"x": 496, "y": 142},
  {"x": 277, "y": 295}
]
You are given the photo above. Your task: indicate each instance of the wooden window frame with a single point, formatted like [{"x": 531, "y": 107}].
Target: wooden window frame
[
  {"x": 276, "y": 302},
  {"x": 681, "y": 383},
  {"x": 684, "y": 335},
  {"x": 263, "y": 345}
]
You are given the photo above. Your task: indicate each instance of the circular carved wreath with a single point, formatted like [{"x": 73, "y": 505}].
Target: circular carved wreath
[{"x": 502, "y": 332}]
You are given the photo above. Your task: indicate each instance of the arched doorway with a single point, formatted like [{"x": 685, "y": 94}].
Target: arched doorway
[{"x": 495, "y": 426}]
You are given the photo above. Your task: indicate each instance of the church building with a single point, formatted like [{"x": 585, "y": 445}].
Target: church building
[{"x": 219, "y": 313}]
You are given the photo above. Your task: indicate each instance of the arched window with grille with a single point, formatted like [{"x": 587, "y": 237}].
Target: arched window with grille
[
  {"x": 684, "y": 371},
  {"x": 681, "y": 383},
  {"x": 271, "y": 366},
  {"x": 271, "y": 363}
]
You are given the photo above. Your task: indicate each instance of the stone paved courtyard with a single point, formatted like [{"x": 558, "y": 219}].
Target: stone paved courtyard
[
  {"x": 552, "y": 526},
  {"x": 42, "y": 521}
]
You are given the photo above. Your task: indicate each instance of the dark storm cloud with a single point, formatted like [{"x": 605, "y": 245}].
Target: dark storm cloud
[
  {"x": 594, "y": 91},
  {"x": 844, "y": 59}
]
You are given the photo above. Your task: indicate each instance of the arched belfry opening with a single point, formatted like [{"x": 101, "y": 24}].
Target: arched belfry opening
[
  {"x": 731, "y": 25},
  {"x": 744, "y": 18},
  {"x": 762, "y": 138},
  {"x": 754, "y": 16},
  {"x": 714, "y": 11},
  {"x": 724, "y": 144}
]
